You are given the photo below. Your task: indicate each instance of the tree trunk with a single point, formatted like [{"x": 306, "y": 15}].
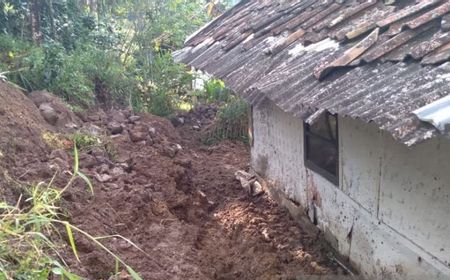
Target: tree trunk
[
  {"x": 51, "y": 13},
  {"x": 92, "y": 7},
  {"x": 35, "y": 20}
]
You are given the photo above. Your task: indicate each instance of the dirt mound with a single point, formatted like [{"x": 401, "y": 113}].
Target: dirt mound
[
  {"x": 179, "y": 202},
  {"x": 156, "y": 185},
  {"x": 21, "y": 138}
]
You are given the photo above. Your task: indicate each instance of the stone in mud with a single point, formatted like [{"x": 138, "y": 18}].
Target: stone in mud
[
  {"x": 61, "y": 154},
  {"x": 58, "y": 164},
  {"x": 118, "y": 116},
  {"x": 103, "y": 178},
  {"x": 87, "y": 161},
  {"x": 137, "y": 135},
  {"x": 177, "y": 121},
  {"x": 152, "y": 131},
  {"x": 48, "y": 113},
  {"x": 117, "y": 172},
  {"x": 257, "y": 188},
  {"x": 41, "y": 97},
  {"x": 104, "y": 168},
  {"x": 170, "y": 151},
  {"x": 134, "y": 119},
  {"x": 115, "y": 128}
]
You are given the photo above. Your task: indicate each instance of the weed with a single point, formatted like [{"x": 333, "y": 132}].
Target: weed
[
  {"x": 86, "y": 141},
  {"x": 56, "y": 141}
]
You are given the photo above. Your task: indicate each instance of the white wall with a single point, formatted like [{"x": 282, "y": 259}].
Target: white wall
[{"x": 390, "y": 214}]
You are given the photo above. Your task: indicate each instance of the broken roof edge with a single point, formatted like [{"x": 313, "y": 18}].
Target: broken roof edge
[{"x": 436, "y": 113}]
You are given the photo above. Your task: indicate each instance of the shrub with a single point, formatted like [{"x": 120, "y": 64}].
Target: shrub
[
  {"x": 231, "y": 123},
  {"x": 216, "y": 91}
]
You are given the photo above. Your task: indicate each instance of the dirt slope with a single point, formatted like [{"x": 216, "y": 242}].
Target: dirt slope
[
  {"x": 180, "y": 203},
  {"x": 174, "y": 198},
  {"x": 21, "y": 143}
]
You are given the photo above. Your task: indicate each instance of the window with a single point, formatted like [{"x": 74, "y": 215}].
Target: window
[{"x": 322, "y": 147}]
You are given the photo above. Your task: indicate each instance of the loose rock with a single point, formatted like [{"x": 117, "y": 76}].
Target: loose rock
[
  {"x": 137, "y": 136},
  {"x": 48, "y": 113},
  {"x": 134, "y": 119},
  {"x": 115, "y": 128}
]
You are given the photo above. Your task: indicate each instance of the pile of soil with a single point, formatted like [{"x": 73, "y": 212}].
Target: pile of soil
[
  {"x": 22, "y": 149},
  {"x": 176, "y": 200}
]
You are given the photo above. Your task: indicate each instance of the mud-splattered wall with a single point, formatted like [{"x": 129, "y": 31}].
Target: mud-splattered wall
[{"x": 390, "y": 213}]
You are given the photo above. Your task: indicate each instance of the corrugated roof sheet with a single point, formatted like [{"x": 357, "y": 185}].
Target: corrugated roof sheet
[{"x": 363, "y": 59}]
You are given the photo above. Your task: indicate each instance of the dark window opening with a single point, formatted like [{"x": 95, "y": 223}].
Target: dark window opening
[{"x": 322, "y": 147}]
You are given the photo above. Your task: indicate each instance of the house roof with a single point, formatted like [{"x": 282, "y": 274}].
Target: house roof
[{"x": 370, "y": 60}]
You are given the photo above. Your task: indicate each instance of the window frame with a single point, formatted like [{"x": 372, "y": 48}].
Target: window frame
[{"x": 307, "y": 134}]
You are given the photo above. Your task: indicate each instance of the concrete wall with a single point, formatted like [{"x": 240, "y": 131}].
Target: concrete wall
[{"x": 390, "y": 214}]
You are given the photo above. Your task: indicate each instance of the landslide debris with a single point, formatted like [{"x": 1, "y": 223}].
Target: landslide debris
[{"x": 156, "y": 185}]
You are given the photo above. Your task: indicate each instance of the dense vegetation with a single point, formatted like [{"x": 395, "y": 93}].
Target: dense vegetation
[{"x": 114, "y": 53}]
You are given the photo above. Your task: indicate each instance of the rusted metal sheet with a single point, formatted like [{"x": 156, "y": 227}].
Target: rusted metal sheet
[
  {"x": 297, "y": 21},
  {"x": 404, "y": 51},
  {"x": 407, "y": 12},
  {"x": 323, "y": 14},
  {"x": 348, "y": 56},
  {"x": 287, "y": 41},
  {"x": 369, "y": 16},
  {"x": 429, "y": 16},
  {"x": 367, "y": 26},
  {"x": 438, "y": 56},
  {"x": 391, "y": 44},
  {"x": 281, "y": 24},
  {"x": 438, "y": 40},
  {"x": 348, "y": 13},
  {"x": 445, "y": 23}
]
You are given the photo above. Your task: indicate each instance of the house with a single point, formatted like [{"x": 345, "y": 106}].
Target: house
[{"x": 350, "y": 119}]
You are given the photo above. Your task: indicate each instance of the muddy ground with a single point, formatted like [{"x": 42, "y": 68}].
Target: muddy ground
[{"x": 158, "y": 186}]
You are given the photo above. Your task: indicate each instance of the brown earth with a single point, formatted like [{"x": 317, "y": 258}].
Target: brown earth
[{"x": 156, "y": 185}]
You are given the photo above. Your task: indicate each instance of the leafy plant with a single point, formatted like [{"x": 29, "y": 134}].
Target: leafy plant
[
  {"x": 56, "y": 141},
  {"x": 216, "y": 91},
  {"x": 86, "y": 141}
]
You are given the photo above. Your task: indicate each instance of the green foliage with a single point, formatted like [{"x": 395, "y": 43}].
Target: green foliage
[
  {"x": 86, "y": 141},
  {"x": 236, "y": 108},
  {"x": 216, "y": 91},
  {"x": 108, "y": 55},
  {"x": 162, "y": 86},
  {"x": 231, "y": 123},
  {"x": 112, "y": 53}
]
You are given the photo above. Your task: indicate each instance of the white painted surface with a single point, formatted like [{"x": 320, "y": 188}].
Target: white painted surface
[
  {"x": 390, "y": 214},
  {"x": 278, "y": 150},
  {"x": 361, "y": 153},
  {"x": 415, "y": 194}
]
